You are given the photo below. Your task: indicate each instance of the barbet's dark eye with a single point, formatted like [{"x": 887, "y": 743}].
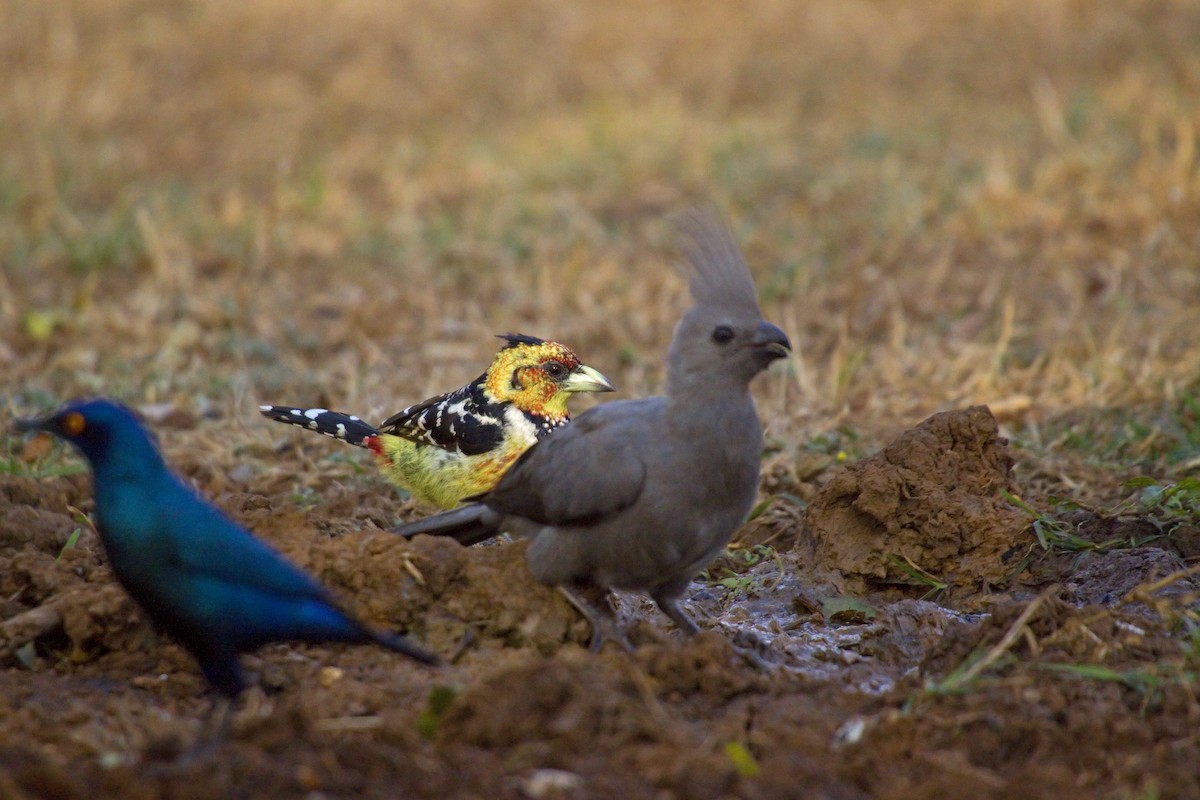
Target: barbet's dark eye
[
  {"x": 722, "y": 334},
  {"x": 555, "y": 370}
]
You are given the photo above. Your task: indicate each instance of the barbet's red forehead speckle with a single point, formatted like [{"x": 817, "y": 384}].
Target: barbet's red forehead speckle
[{"x": 561, "y": 353}]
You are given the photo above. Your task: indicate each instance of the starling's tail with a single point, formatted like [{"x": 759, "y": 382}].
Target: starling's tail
[
  {"x": 346, "y": 427},
  {"x": 468, "y": 525}
]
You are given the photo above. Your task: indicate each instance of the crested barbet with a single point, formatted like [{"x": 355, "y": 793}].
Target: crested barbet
[
  {"x": 458, "y": 444},
  {"x": 643, "y": 494}
]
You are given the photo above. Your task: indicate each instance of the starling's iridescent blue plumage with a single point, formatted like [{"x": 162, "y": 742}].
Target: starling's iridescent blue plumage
[{"x": 204, "y": 579}]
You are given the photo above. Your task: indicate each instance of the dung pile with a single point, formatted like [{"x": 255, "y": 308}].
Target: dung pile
[{"x": 928, "y": 502}]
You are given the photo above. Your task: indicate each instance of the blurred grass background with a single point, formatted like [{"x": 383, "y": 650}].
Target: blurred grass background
[{"x": 212, "y": 204}]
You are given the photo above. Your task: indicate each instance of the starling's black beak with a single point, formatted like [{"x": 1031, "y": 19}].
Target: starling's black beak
[
  {"x": 34, "y": 424},
  {"x": 771, "y": 340}
]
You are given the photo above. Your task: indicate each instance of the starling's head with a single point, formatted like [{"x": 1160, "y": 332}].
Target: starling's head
[
  {"x": 723, "y": 338},
  {"x": 538, "y": 376},
  {"x": 94, "y": 427}
]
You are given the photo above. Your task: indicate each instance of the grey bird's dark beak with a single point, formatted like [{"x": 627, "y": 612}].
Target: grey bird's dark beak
[{"x": 771, "y": 340}]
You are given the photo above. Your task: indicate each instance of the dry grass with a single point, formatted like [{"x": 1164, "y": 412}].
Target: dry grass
[{"x": 215, "y": 204}]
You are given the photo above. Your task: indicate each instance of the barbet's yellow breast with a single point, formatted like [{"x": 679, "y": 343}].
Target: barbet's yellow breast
[{"x": 443, "y": 478}]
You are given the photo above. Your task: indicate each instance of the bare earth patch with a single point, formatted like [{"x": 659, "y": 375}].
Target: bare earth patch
[{"x": 1067, "y": 694}]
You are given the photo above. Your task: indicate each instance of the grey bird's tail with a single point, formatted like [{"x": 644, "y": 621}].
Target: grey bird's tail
[
  {"x": 467, "y": 525},
  {"x": 346, "y": 427}
]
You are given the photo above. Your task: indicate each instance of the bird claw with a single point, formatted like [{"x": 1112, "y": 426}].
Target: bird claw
[
  {"x": 748, "y": 648},
  {"x": 752, "y": 658},
  {"x": 615, "y": 634},
  {"x": 214, "y": 730},
  {"x": 754, "y": 651},
  {"x": 677, "y": 615},
  {"x": 216, "y": 726},
  {"x": 601, "y": 617}
]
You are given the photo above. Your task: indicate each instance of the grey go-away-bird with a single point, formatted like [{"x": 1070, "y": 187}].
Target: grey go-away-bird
[{"x": 643, "y": 494}]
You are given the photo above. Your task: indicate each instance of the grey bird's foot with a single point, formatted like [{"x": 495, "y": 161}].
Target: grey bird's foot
[
  {"x": 670, "y": 607},
  {"x": 600, "y": 616},
  {"x": 746, "y": 645},
  {"x": 752, "y": 650}
]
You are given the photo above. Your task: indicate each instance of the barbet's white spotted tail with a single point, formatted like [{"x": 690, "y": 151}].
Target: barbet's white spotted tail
[{"x": 346, "y": 427}]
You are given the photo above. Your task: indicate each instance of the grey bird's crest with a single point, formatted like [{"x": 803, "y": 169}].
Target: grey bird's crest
[{"x": 715, "y": 269}]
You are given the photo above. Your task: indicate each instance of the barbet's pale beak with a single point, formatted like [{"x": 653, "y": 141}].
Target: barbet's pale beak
[{"x": 585, "y": 379}]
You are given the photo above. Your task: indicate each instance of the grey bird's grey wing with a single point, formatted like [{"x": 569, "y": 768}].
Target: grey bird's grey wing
[{"x": 588, "y": 472}]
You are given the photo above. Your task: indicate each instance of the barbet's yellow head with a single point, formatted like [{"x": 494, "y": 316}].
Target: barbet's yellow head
[{"x": 538, "y": 376}]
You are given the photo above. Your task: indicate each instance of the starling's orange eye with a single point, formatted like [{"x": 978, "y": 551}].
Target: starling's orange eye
[{"x": 73, "y": 424}]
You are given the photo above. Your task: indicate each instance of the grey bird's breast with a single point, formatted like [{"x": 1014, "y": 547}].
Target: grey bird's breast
[
  {"x": 717, "y": 498},
  {"x": 683, "y": 517}
]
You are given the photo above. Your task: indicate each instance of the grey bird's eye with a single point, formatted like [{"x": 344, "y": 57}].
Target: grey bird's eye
[{"x": 722, "y": 334}]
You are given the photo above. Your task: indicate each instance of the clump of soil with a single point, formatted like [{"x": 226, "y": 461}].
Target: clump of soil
[{"x": 929, "y": 501}]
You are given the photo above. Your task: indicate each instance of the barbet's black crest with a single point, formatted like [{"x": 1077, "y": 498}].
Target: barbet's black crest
[{"x": 518, "y": 339}]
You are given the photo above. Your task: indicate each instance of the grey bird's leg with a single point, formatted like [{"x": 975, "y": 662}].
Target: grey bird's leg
[
  {"x": 746, "y": 650},
  {"x": 670, "y": 607},
  {"x": 604, "y": 623}
]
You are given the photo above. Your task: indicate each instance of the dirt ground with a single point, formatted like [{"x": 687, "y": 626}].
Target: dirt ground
[
  {"x": 973, "y": 569},
  {"x": 976, "y": 694}
]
